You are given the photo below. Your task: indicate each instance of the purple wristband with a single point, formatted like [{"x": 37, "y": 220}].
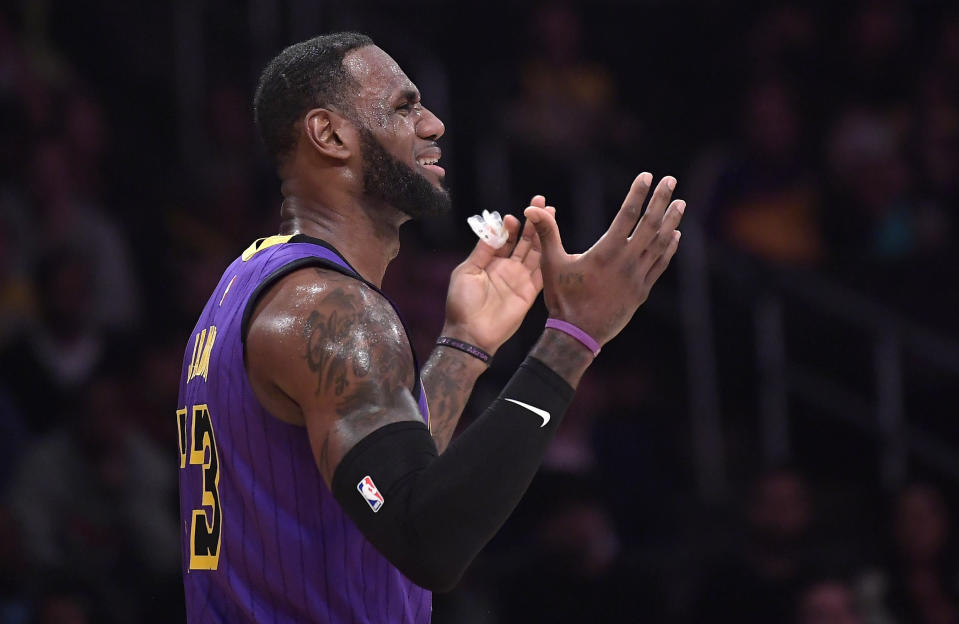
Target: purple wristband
[
  {"x": 575, "y": 332},
  {"x": 465, "y": 347}
]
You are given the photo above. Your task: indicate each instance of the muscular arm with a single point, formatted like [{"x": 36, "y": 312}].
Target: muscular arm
[
  {"x": 334, "y": 350},
  {"x": 327, "y": 352}
]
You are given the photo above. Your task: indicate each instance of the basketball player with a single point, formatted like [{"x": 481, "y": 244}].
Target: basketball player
[{"x": 318, "y": 482}]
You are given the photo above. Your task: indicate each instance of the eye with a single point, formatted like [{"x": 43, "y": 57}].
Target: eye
[{"x": 405, "y": 108}]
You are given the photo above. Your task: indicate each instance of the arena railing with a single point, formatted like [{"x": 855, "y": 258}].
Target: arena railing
[{"x": 880, "y": 413}]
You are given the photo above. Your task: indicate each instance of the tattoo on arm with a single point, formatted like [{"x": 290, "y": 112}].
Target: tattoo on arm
[
  {"x": 564, "y": 354},
  {"x": 356, "y": 350},
  {"x": 448, "y": 378}
]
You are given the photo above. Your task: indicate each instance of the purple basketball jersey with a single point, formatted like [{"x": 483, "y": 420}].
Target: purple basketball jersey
[{"x": 263, "y": 539}]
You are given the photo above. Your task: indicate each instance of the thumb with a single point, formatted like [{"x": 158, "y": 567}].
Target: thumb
[
  {"x": 548, "y": 231},
  {"x": 481, "y": 255}
]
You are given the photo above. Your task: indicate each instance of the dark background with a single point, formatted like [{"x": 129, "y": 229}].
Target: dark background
[{"x": 773, "y": 438}]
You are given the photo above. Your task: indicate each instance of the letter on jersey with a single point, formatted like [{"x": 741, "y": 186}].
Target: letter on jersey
[{"x": 202, "y": 347}]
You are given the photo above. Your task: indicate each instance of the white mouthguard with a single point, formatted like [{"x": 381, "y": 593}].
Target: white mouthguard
[{"x": 489, "y": 228}]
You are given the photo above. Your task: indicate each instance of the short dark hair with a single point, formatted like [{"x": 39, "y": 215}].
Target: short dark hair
[{"x": 306, "y": 75}]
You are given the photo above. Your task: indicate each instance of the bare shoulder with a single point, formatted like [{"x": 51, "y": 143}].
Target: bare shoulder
[{"x": 325, "y": 341}]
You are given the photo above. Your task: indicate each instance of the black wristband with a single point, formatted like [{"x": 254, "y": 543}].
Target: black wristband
[{"x": 465, "y": 347}]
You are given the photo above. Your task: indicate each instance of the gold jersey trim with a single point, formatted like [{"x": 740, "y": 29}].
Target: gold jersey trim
[{"x": 263, "y": 243}]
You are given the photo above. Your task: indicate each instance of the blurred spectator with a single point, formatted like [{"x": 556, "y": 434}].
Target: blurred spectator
[
  {"x": 576, "y": 569},
  {"x": 63, "y": 608},
  {"x": 760, "y": 581},
  {"x": 827, "y": 601},
  {"x": 64, "y": 216},
  {"x": 94, "y": 501},
  {"x": 48, "y": 365},
  {"x": 878, "y": 47},
  {"x": 870, "y": 182},
  {"x": 16, "y": 257},
  {"x": 63, "y": 600},
  {"x": 919, "y": 583},
  {"x": 765, "y": 200},
  {"x": 231, "y": 207},
  {"x": 783, "y": 41},
  {"x": 566, "y": 102},
  {"x": 937, "y": 154},
  {"x": 566, "y": 119}
]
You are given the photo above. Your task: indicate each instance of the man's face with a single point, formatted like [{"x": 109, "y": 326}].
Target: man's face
[{"x": 397, "y": 136}]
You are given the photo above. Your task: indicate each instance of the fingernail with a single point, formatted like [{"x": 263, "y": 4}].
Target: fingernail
[
  {"x": 681, "y": 207},
  {"x": 646, "y": 177},
  {"x": 670, "y": 182}
]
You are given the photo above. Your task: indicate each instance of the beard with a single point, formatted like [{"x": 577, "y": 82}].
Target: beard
[{"x": 392, "y": 181}]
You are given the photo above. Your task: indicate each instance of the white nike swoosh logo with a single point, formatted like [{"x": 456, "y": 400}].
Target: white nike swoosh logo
[{"x": 539, "y": 412}]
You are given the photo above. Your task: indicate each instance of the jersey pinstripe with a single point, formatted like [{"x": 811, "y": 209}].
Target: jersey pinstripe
[{"x": 263, "y": 539}]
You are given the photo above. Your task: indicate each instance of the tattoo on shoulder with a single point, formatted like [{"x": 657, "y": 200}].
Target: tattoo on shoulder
[
  {"x": 344, "y": 347},
  {"x": 329, "y": 337}
]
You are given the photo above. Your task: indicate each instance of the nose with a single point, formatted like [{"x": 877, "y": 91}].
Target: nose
[{"x": 429, "y": 126}]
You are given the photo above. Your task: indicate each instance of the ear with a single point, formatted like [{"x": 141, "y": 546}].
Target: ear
[{"x": 329, "y": 133}]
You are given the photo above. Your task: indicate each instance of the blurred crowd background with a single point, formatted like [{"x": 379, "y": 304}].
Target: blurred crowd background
[{"x": 773, "y": 439}]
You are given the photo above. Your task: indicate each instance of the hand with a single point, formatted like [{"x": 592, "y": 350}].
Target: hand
[
  {"x": 600, "y": 290},
  {"x": 491, "y": 291}
]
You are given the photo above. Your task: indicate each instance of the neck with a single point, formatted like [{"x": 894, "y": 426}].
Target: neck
[{"x": 366, "y": 235}]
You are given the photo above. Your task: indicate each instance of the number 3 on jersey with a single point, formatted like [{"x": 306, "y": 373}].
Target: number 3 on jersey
[{"x": 205, "y": 529}]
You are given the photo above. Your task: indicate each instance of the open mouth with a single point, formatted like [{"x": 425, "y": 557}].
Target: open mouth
[{"x": 428, "y": 162}]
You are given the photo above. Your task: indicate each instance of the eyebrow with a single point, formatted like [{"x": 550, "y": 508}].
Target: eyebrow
[{"x": 408, "y": 93}]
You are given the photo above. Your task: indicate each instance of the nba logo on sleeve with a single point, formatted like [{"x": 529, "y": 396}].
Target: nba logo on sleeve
[{"x": 369, "y": 492}]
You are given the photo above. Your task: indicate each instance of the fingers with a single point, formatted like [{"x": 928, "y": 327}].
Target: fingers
[
  {"x": 529, "y": 232},
  {"x": 529, "y": 250},
  {"x": 652, "y": 220},
  {"x": 663, "y": 239},
  {"x": 481, "y": 255},
  {"x": 632, "y": 207},
  {"x": 526, "y": 238},
  {"x": 663, "y": 261},
  {"x": 511, "y": 224},
  {"x": 531, "y": 261},
  {"x": 548, "y": 232}
]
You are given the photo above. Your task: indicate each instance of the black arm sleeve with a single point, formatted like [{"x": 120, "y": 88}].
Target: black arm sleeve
[{"x": 430, "y": 515}]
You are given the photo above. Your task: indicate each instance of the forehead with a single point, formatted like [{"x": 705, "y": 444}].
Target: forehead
[{"x": 377, "y": 75}]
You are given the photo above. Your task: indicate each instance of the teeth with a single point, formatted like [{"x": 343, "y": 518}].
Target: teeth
[{"x": 428, "y": 161}]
